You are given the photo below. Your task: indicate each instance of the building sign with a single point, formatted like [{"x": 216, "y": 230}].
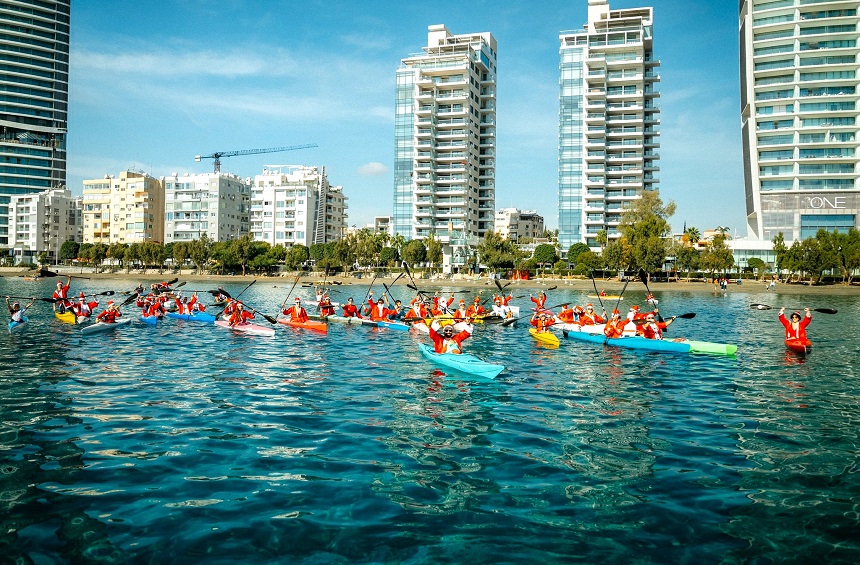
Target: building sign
[{"x": 825, "y": 202}]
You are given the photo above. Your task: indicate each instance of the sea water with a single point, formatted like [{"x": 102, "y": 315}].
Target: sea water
[{"x": 186, "y": 442}]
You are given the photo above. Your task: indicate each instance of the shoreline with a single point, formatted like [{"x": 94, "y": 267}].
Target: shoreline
[{"x": 611, "y": 286}]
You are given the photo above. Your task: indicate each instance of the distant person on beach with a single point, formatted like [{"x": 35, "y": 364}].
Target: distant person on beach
[{"x": 795, "y": 327}]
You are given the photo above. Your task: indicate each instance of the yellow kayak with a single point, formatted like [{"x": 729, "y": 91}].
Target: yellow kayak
[
  {"x": 547, "y": 337},
  {"x": 607, "y": 297},
  {"x": 67, "y": 317}
]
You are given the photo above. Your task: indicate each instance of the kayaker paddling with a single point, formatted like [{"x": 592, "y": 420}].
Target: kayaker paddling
[
  {"x": 296, "y": 312},
  {"x": 61, "y": 296},
  {"x": 16, "y": 312},
  {"x": 240, "y": 316},
  {"x": 795, "y": 327},
  {"x": 445, "y": 340},
  {"x": 652, "y": 329},
  {"x": 109, "y": 314}
]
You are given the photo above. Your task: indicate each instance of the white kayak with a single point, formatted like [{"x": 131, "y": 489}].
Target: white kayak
[
  {"x": 252, "y": 329},
  {"x": 102, "y": 326}
]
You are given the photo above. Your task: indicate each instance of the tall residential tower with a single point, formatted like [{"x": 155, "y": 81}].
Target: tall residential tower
[
  {"x": 608, "y": 121},
  {"x": 445, "y": 142},
  {"x": 34, "y": 88},
  {"x": 800, "y": 116}
]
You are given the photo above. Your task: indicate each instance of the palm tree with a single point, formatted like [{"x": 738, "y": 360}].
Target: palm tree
[{"x": 691, "y": 236}]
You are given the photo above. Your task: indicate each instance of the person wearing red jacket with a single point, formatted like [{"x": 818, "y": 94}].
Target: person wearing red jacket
[
  {"x": 82, "y": 308},
  {"x": 445, "y": 340},
  {"x": 566, "y": 315},
  {"x": 795, "y": 328},
  {"x": 240, "y": 316},
  {"x": 109, "y": 315},
  {"x": 476, "y": 309},
  {"x": 61, "y": 296},
  {"x": 652, "y": 329},
  {"x": 542, "y": 321},
  {"x": 540, "y": 301},
  {"x": 590, "y": 317},
  {"x": 350, "y": 310},
  {"x": 461, "y": 313},
  {"x": 378, "y": 311},
  {"x": 325, "y": 306},
  {"x": 155, "y": 309},
  {"x": 615, "y": 326},
  {"x": 296, "y": 312}
]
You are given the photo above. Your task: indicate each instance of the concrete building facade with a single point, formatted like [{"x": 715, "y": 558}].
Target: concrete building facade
[
  {"x": 215, "y": 204},
  {"x": 42, "y": 223},
  {"x": 34, "y": 87},
  {"x": 125, "y": 209},
  {"x": 800, "y": 109},
  {"x": 445, "y": 142},
  {"x": 517, "y": 225},
  {"x": 608, "y": 121}
]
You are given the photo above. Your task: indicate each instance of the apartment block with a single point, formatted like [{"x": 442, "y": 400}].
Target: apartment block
[
  {"x": 608, "y": 121},
  {"x": 445, "y": 141},
  {"x": 124, "y": 209},
  {"x": 215, "y": 204},
  {"x": 799, "y": 116},
  {"x": 296, "y": 204},
  {"x": 518, "y": 225},
  {"x": 42, "y": 223}
]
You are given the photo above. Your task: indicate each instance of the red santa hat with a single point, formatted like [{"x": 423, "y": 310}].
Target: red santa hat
[
  {"x": 81, "y": 295},
  {"x": 634, "y": 308}
]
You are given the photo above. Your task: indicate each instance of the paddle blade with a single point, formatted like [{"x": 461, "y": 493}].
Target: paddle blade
[
  {"x": 498, "y": 285},
  {"x": 270, "y": 319},
  {"x": 508, "y": 322},
  {"x": 825, "y": 310},
  {"x": 761, "y": 306},
  {"x": 687, "y": 316},
  {"x": 108, "y": 293}
]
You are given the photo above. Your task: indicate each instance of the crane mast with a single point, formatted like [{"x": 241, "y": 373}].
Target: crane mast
[{"x": 218, "y": 154}]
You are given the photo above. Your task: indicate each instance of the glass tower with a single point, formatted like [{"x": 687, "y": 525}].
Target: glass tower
[
  {"x": 608, "y": 121},
  {"x": 799, "y": 116},
  {"x": 445, "y": 141},
  {"x": 34, "y": 86}
]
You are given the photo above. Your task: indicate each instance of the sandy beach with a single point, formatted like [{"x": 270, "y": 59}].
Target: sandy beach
[{"x": 610, "y": 286}]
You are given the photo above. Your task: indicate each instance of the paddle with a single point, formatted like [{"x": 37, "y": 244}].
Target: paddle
[
  {"x": 268, "y": 318},
  {"x": 292, "y": 288},
  {"x": 47, "y": 273},
  {"x": 55, "y": 300},
  {"x": 237, "y": 296},
  {"x": 594, "y": 283},
  {"x": 323, "y": 288},
  {"x": 766, "y": 307},
  {"x": 687, "y": 316},
  {"x": 510, "y": 321},
  {"x": 364, "y": 302},
  {"x": 163, "y": 290}
]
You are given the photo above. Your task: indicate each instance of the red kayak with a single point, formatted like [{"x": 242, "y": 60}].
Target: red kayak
[
  {"x": 798, "y": 345},
  {"x": 313, "y": 325}
]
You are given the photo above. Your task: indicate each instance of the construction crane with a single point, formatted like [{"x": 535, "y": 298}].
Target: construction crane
[{"x": 217, "y": 156}]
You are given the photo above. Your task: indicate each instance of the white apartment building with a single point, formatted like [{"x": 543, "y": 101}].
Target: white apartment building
[
  {"x": 295, "y": 204},
  {"x": 43, "y": 222},
  {"x": 800, "y": 116},
  {"x": 517, "y": 225},
  {"x": 215, "y": 204},
  {"x": 608, "y": 121},
  {"x": 445, "y": 142},
  {"x": 124, "y": 209}
]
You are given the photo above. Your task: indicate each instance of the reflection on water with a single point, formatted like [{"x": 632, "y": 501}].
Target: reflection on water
[{"x": 186, "y": 442}]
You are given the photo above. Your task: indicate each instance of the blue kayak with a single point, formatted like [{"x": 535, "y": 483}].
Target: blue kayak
[
  {"x": 14, "y": 326},
  {"x": 463, "y": 362},
  {"x": 394, "y": 325},
  {"x": 662, "y": 345},
  {"x": 152, "y": 320},
  {"x": 197, "y": 317}
]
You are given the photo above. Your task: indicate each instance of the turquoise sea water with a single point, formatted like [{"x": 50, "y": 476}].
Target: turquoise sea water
[{"x": 186, "y": 443}]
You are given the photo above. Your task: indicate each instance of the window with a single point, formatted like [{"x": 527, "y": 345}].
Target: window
[{"x": 811, "y": 223}]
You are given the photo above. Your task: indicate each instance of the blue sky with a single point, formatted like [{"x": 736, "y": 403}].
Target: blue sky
[{"x": 155, "y": 83}]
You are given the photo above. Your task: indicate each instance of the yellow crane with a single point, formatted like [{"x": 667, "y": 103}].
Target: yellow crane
[{"x": 217, "y": 155}]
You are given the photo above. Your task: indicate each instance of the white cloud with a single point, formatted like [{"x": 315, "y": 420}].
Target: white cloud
[{"x": 373, "y": 169}]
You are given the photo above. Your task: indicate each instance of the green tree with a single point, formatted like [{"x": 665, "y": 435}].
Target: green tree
[
  {"x": 496, "y": 252},
  {"x": 645, "y": 226},
  {"x": 574, "y": 250},
  {"x": 687, "y": 259},
  {"x": 691, "y": 237},
  {"x": 243, "y": 249},
  {"x": 179, "y": 253},
  {"x": 131, "y": 256},
  {"x": 317, "y": 251},
  {"x": 618, "y": 255},
  {"x": 297, "y": 255},
  {"x": 717, "y": 257},
  {"x": 434, "y": 251},
  {"x": 589, "y": 260},
  {"x": 757, "y": 265},
  {"x": 69, "y": 250},
  {"x": 848, "y": 253},
  {"x": 780, "y": 252},
  {"x": 602, "y": 238},
  {"x": 414, "y": 252},
  {"x": 98, "y": 253},
  {"x": 200, "y": 250},
  {"x": 544, "y": 254},
  {"x": 387, "y": 256}
]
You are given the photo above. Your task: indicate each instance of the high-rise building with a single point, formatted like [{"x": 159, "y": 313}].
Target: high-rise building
[
  {"x": 128, "y": 209},
  {"x": 42, "y": 223},
  {"x": 295, "y": 204},
  {"x": 34, "y": 86},
  {"x": 800, "y": 116},
  {"x": 445, "y": 141},
  {"x": 518, "y": 225},
  {"x": 608, "y": 121},
  {"x": 215, "y": 204}
]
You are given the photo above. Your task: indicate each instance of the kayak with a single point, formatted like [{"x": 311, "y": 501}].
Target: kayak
[
  {"x": 463, "y": 362},
  {"x": 314, "y": 325},
  {"x": 252, "y": 329},
  {"x": 342, "y": 319},
  {"x": 197, "y": 317},
  {"x": 489, "y": 319},
  {"x": 151, "y": 320},
  {"x": 798, "y": 345},
  {"x": 607, "y": 297},
  {"x": 102, "y": 326},
  {"x": 660, "y": 345},
  {"x": 394, "y": 325},
  {"x": 15, "y": 326},
  {"x": 545, "y": 337},
  {"x": 67, "y": 317}
]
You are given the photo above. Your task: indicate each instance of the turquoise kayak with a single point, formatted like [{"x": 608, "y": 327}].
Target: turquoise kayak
[
  {"x": 152, "y": 320},
  {"x": 463, "y": 362},
  {"x": 15, "y": 326},
  {"x": 661, "y": 345},
  {"x": 198, "y": 317},
  {"x": 394, "y": 325}
]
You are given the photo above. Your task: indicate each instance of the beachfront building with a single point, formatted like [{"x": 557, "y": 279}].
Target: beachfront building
[
  {"x": 800, "y": 109},
  {"x": 382, "y": 224},
  {"x": 518, "y": 225},
  {"x": 34, "y": 86},
  {"x": 295, "y": 204},
  {"x": 215, "y": 204},
  {"x": 124, "y": 209},
  {"x": 445, "y": 142},
  {"x": 42, "y": 222},
  {"x": 608, "y": 121}
]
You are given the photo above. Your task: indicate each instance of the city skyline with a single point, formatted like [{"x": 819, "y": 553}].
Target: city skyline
[{"x": 199, "y": 78}]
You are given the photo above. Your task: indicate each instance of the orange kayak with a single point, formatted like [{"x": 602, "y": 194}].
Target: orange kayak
[
  {"x": 313, "y": 325},
  {"x": 799, "y": 345}
]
